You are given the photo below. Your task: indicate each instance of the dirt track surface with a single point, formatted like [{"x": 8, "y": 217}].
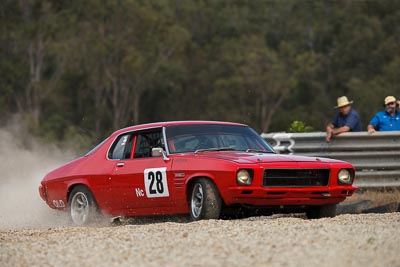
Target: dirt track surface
[
  {"x": 31, "y": 234},
  {"x": 346, "y": 240}
]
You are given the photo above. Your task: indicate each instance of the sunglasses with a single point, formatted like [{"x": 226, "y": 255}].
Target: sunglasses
[{"x": 390, "y": 103}]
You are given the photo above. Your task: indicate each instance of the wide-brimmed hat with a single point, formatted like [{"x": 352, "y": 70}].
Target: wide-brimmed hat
[
  {"x": 389, "y": 99},
  {"x": 343, "y": 101}
]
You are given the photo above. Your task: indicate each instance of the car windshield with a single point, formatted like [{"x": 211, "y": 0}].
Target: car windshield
[{"x": 214, "y": 137}]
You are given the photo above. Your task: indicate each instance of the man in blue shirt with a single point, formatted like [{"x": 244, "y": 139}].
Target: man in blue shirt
[
  {"x": 347, "y": 120},
  {"x": 387, "y": 120}
]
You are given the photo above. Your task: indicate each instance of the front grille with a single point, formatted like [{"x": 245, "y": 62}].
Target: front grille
[{"x": 296, "y": 177}]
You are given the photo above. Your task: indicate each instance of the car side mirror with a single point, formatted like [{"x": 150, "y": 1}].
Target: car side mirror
[{"x": 157, "y": 152}]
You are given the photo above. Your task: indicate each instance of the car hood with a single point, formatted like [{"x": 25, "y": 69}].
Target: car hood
[{"x": 242, "y": 157}]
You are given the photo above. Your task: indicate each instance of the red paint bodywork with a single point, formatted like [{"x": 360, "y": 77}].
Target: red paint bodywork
[{"x": 115, "y": 187}]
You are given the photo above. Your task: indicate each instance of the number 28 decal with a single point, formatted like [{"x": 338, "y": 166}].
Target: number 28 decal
[{"x": 155, "y": 182}]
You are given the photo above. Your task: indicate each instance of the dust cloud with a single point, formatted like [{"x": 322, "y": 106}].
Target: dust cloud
[{"x": 23, "y": 163}]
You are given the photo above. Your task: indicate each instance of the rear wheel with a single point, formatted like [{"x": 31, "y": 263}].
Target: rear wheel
[
  {"x": 82, "y": 207},
  {"x": 326, "y": 211},
  {"x": 205, "y": 201}
]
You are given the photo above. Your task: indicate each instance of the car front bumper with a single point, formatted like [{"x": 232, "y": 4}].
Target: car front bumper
[{"x": 262, "y": 196}]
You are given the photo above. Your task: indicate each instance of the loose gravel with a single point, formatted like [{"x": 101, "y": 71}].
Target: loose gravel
[
  {"x": 278, "y": 240},
  {"x": 31, "y": 234}
]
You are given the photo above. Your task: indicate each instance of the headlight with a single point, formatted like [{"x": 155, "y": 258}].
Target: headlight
[
  {"x": 344, "y": 176},
  {"x": 244, "y": 177}
]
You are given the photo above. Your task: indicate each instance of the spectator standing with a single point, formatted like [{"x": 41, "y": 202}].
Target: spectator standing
[
  {"x": 387, "y": 120},
  {"x": 347, "y": 119}
]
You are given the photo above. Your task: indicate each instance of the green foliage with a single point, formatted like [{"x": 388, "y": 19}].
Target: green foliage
[
  {"x": 78, "y": 70},
  {"x": 299, "y": 127}
]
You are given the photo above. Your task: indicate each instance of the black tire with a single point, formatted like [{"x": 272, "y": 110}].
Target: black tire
[
  {"x": 326, "y": 211},
  {"x": 82, "y": 207},
  {"x": 204, "y": 201}
]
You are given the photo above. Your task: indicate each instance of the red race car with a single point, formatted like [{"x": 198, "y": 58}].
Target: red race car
[{"x": 201, "y": 168}]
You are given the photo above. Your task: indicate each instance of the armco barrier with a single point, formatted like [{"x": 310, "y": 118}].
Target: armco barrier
[{"x": 376, "y": 156}]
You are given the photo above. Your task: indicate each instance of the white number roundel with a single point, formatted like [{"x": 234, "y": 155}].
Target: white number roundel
[{"x": 155, "y": 182}]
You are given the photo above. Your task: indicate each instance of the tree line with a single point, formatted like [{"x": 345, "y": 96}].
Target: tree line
[{"x": 78, "y": 70}]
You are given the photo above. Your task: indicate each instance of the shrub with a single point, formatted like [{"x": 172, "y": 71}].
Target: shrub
[{"x": 299, "y": 127}]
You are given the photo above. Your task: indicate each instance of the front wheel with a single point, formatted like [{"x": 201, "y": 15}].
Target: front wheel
[
  {"x": 205, "y": 201},
  {"x": 326, "y": 211},
  {"x": 82, "y": 206}
]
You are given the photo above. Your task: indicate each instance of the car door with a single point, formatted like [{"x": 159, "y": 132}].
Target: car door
[{"x": 139, "y": 180}]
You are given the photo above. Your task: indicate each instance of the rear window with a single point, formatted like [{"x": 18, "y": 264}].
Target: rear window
[{"x": 95, "y": 148}]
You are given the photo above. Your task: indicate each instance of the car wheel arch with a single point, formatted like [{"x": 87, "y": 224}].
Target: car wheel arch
[
  {"x": 72, "y": 186},
  {"x": 190, "y": 183}
]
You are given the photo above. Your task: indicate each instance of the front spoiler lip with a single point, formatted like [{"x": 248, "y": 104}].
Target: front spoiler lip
[{"x": 262, "y": 196}]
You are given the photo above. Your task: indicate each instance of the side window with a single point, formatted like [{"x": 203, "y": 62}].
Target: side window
[
  {"x": 122, "y": 147},
  {"x": 146, "y": 141}
]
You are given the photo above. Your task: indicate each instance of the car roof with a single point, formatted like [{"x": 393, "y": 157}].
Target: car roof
[{"x": 173, "y": 123}]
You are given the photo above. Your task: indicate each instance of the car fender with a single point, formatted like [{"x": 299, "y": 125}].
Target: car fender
[
  {"x": 189, "y": 181},
  {"x": 219, "y": 183},
  {"x": 72, "y": 184}
]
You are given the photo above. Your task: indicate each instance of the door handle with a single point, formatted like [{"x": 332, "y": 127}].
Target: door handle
[{"x": 120, "y": 164}]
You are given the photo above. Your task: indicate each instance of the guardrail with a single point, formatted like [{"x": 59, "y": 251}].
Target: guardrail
[{"x": 376, "y": 156}]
